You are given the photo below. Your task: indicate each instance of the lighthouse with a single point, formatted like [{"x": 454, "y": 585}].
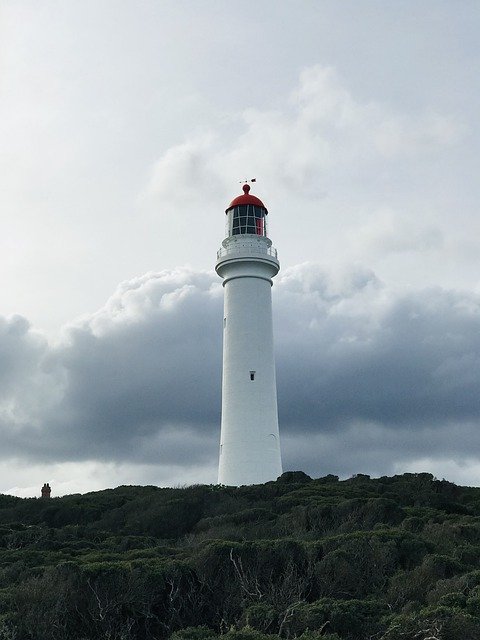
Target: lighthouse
[{"x": 247, "y": 262}]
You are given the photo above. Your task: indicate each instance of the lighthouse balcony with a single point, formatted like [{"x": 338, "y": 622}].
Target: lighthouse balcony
[
  {"x": 247, "y": 256},
  {"x": 246, "y": 245}
]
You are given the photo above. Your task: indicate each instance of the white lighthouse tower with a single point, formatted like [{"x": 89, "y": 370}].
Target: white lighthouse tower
[{"x": 247, "y": 262}]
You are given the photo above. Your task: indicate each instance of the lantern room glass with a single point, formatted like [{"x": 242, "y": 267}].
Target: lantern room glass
[{"x": 246, "y": 219}]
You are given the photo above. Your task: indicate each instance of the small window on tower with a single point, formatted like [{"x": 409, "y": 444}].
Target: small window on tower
[
  {"x": 252, "y": 375},
  {"x": 224, "y": 323}
]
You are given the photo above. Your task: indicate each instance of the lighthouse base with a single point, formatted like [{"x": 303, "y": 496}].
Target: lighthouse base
[{"x": 252, "y": 462}]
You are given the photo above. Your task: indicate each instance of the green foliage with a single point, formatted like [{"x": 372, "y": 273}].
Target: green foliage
[
  {"x": 194, "y": 633},
  {"x": 442, "y": 623},
  {"x": 390, "y": 558}
]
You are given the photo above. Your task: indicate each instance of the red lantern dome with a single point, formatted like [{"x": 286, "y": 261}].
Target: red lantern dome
[{"x": 246, "y": 199}]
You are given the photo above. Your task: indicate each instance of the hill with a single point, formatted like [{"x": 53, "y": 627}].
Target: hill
[{"x": 393, "y": 558}]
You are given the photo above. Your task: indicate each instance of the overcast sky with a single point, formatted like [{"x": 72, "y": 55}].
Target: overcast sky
[{"x": 125, "y": 128}]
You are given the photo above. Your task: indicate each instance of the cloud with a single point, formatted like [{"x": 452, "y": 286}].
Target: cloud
[
  {"x": 127, "y": 372},
  {"x": 386, "y": 231},
  {"x": 28, "y": 386},
  {"x": 300, "y": 145},
  {"x": 182, "y": 171},
  {"x": 149, "y": 362},
  {"x": 369, "y": 379},
  {"x": 95, "y": 475},
  {"x": 345, "y": 179},
  {"x": 373, "y": 355},
  {"x": 20, "y": 348}
]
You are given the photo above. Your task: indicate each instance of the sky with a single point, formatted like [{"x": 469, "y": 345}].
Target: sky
[{"x": 125, "y": 129}]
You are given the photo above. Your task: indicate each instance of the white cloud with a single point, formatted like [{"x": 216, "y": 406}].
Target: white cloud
[
  {"x": 465, "y": 471},
  {"x": 346, "y": 180},
  {"x": 321, "y": 128},
  {"x": 385, "y": 231}
]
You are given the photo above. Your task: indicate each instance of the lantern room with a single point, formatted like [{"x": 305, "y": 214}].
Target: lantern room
[{"x": 246, "y": 215}]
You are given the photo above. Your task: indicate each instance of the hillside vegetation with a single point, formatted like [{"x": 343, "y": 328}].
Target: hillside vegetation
[{"x": 385, "y": 559}]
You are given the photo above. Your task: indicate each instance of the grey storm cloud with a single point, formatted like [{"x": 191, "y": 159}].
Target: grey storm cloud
[
  {"x": 20, "y": 353},
  {"x": 364, "y": 374},
  {"x": 409, "y": 359}
]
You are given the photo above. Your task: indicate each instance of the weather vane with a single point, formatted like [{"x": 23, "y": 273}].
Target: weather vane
[{"x": 247, "y": 181}]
